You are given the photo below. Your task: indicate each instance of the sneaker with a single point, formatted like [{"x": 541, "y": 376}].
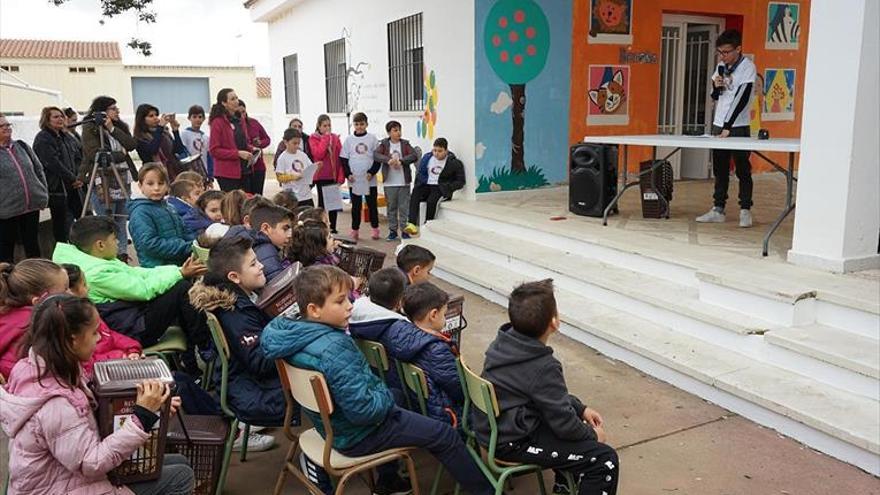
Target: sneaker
[
  {"x": 375, "y": 234},
  {"x": 405, "y": 236},
  {"x": 745, "y": 218},
  {"x": 392, "y": 235},
  {"x": 254, "y": 429},
  {"x": 256, "y": 442},
  {"x": 560, "y": 489},
  {"x": 355, "y": 234},
  {"x": 397, "y": 486},
  {"x": 411, "y": 229},
  {"x": 715, "y": 215}
]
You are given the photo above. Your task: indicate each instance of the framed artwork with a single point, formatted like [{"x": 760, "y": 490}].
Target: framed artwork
[
  {"x": 611, "y": 21},
  {"x": 778, "y": 94},
  {"x": 608, "y": 95},
  {"x": 783, "y": 26}
]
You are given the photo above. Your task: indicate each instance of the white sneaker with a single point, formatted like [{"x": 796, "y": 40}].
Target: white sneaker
[
  {"x": 256, "y": 442},
  {"x": 745, "y": 218},
  {"x": 715, "y": 215},
  {"x": 254, "y": 429}
]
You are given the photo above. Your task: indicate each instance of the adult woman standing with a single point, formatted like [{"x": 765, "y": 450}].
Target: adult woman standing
[
  {"x": 260, "y": 140},
  {"x": 61, "y": 167},
  {"x": 229, "y": 143},
  {"x": 110, "y": 198},
  {"x": 24, "y": 196},
  {"x": 155, "y": 143}
]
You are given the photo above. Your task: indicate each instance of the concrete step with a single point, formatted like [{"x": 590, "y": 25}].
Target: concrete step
[
  {"x": 832, "y": 345},
  {"x": 660, "y": 293},
  {"x": 840, "y": 423}
]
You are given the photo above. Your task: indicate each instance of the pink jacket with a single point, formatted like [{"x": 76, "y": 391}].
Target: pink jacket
[
  {"x": 113, "y": 345},
  {"x": 13, "y": 326},
  {"x": 326, "y": 148},
  {"x": 54, "y": 444},
  {"x": 223, "y": 150}
]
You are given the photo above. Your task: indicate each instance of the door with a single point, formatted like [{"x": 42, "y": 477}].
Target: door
[
  {"x": 171, "y": 94},
  {"x": 687, "y": 59}
]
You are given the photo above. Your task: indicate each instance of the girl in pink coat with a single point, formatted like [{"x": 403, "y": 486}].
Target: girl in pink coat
[
  {"x": 46, "y": 409},
  {"x": 325, "y": 148}
]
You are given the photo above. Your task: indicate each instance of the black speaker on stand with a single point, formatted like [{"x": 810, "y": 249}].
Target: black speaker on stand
[{"x": 592, "y": 178}]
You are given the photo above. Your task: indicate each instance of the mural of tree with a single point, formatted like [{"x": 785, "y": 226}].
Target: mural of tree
[{"x": 517, "y": 40}]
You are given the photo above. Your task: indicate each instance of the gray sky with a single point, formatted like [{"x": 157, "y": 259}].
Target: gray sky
[{"x": 186, "y": 32}]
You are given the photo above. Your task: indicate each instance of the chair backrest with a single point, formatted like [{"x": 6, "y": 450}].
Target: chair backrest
[
  {"x": 305, "y": 386},
  {"x": 481, "y": 392},
  {"x": 222, "y": 346},
  {"x": 375, "y": 353},
  {"x": 217, "y": 335},
  {"x": 414, "y": 378}
]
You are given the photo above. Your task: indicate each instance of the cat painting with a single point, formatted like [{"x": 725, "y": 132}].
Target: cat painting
[{"x": 610, "y": 95}]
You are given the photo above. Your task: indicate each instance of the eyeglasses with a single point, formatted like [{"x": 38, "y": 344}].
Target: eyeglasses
[{"x": 725, "y": 52}]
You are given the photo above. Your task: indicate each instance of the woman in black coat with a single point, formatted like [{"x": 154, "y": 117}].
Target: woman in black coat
[{"x": 61, "y": 164}]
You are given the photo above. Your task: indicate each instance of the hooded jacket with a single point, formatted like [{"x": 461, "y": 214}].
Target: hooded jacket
[
  {"x": 54, "y": 444},
  {"x": 407, "y": 343},
  {"x": 268, "y": 255},
  {"x": 451, "y": 179},
  {"x": 180, "y": 206},
  {"x": 195, "y": 221},
  {"x": 113, "y": 345},
  {"x": 24, "y": 181},
  {"x": 255, "y": 394},
  {"x": 361, "y": 399},
  {"x": 13, "y": 325},
  {"x": 158, "y": 233},
  {"x": 531, "y": 390}
]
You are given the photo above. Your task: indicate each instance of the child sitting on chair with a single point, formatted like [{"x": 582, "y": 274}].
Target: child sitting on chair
[
  {"x": 540, "y": 422},
  {"x": 418, "y": 342},
  {"x": 416, "y": 263},
  {"x": 365, "y": 421}
]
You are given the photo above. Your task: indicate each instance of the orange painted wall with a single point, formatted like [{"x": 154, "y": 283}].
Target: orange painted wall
[{"x": 644, "y": 86}]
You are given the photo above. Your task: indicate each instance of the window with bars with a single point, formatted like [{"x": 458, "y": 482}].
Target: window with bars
[
  {"x": 336, "y": 76},
  {"x": 291, "y": 83},
  {"x": 406, "y": 64}
]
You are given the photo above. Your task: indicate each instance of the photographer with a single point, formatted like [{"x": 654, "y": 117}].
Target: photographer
[
  {"x": 154, "y": 142},
  {"x": 61, "y": 165},
  {"x": 118, "y": 141}
]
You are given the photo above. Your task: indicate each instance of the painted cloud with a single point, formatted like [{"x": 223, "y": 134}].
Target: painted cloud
[
  {"x": 501, "y": 103},
  {"x": 480, "y": 148}
]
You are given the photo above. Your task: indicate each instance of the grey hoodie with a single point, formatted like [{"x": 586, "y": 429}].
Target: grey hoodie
[
  {"x": 21, "y": 174},
  {"x": 531, "y": 390}
]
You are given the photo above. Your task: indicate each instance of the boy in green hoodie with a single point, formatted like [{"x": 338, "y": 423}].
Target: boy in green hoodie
[
  {"x": 365, "y": 420},
  {"x": 138, "y": 302}
]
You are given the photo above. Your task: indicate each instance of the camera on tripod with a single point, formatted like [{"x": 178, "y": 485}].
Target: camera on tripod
[{"x": 98, "y": 118}]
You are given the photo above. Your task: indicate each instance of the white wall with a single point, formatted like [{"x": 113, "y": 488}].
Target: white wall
[
  {"x": 838, "y": 211},
  {"x": 303, "y": 27}
]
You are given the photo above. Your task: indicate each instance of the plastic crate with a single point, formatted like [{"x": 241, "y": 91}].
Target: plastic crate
[
  {"x": 662, "y": 177},
  {"x": 115, "y": 390},
  {"x": 455, "y": 320},
  {"x": 360, "y": 261},
  {"x": 202, "y": 443}
]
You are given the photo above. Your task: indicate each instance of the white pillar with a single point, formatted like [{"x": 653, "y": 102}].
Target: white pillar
[{"x": 837, "y": 220}]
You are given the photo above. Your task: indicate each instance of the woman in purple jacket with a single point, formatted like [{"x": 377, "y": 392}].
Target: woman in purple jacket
[{"x": 259, "y": 139}]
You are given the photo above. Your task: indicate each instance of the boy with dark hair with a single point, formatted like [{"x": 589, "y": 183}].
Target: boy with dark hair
[
  {"x": 183, "y": 195},
  {"x": 138, "y": 302},
  {"x": 234, "y": 276},
  {"x": 290, "y": 168},
  {"x": 439, "y": 175},
  {"x": 272, "y": 232},
  {"x": 733, "y": 83},
  {"x": 540, "y": 422},
  {"x": 196, "y": 142},
  {"x": 416, "y": 263},
  {"x": 366, "y": 420},
  {"x": 361, "y": 169},
  {"x": 396, "y": 155}
]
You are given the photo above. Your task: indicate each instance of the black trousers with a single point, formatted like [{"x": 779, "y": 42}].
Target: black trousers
[
  {"x": 174, "y": 307},
  {"x": 424, "y": 192},
  {"x": 357, "y": 206},
  {"x": 255, "y": 182},
  {"x": 594, "y": 465},
  {"x": 61, "y": 219},
  {"x": 331, "y": 214},
  {"x": 75, "y": 203},
  {"x": 25, "y": 227},
  {"x": 308, "y": 202},
  {"x": 721, "y": 169},
  {"x": 227, "y": 185}
]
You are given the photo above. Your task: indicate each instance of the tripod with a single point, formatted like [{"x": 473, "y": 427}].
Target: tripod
[{"x": 103, "y": 162}]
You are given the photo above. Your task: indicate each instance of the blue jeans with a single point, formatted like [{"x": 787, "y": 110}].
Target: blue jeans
[
  {"x": 403, "y": 428},
  {"x": 118, "y": 213}
]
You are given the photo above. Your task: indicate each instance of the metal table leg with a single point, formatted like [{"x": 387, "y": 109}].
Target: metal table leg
[
  {"x": 613, "y": 203},
  {"x": 789, "y": 193}
]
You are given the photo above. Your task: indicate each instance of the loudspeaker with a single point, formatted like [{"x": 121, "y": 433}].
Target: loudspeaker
[{"x": 593, "y": 178}]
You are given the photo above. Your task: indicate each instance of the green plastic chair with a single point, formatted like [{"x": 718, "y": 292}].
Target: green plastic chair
[
  {"x": 375, "y": 354},
  {"x": 223, "y": 356},
  {"x": 170, "y": 345},
  {"x": 414, "y": 379},
  {"x": 480, "y": 393}
]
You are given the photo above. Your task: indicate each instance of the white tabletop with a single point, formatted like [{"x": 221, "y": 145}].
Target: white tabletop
[{"x": 787, "y": 145}]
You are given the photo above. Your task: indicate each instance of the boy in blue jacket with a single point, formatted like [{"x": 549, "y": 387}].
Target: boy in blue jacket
[
  {"x": 234, "y": 276},
  {"x": 366, "y": 420},
  {"x": 183, "y": 195},
  {"x": 272, "y": 233},
  {"x": 418, "y": 342},
  {"x": 156, "y": 229}
]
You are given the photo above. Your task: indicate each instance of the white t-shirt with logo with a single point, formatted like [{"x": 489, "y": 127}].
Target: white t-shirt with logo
[
  {"x": 359, "y": 152},
  {"x": 395, "y": 174},
  {"x": 735, "y": 91},
  {"x": 435, "y": 167},
  {"x": 295, "y": 162}
]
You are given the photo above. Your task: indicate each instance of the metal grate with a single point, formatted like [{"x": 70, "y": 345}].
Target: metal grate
[
  {"x": 291, "y": 83},
  {"x": 669, "y": 60},
  {"x": 336, "y": 76},
  {"x": 406, "y": 64},
  {"x": 696, "y": 81}
]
